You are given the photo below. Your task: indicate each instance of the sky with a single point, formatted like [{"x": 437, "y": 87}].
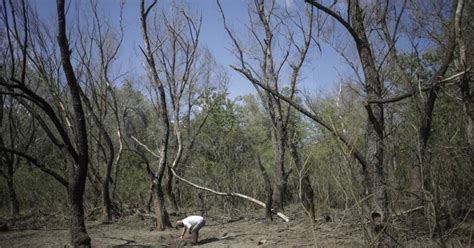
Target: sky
[{"x": 320, "y": 74}]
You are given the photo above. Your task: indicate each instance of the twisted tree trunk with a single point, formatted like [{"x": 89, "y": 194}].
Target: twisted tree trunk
[
  {"x": 78, "y": 174},
  {"x": 162, "y": 219}
]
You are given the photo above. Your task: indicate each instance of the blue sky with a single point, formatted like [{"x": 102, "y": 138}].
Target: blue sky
[{"x": 320, "y": 72}]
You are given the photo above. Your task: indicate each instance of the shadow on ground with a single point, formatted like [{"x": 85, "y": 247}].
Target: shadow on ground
[
  {"x": 134, "y": 246},
  {"x": 208, "y": 240}
]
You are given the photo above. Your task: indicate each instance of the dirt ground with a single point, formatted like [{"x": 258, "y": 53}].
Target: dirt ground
[{"x": 247, "y": 229}]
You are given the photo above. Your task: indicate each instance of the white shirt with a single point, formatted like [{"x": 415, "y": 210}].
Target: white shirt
[{"x": 192, "y": 220}]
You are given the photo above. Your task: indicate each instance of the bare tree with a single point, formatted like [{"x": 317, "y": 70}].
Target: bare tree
[
  {"x": 100, "y": 98},
  {"x": 423, "y": 104},
  {"x": 162, "y": 219},
  {"x": 464, "y": 32},
  {"x": 78, "y": 175},
  {"x": 9, "y": 161},
  {"x": 178, "y": 58},
  {"x": 280, "y": 36},
  {"x": 18, "y": 133},
  {"x": 18, "y": 85},
  {"x": 184, "y": 80},
  {"x": 374, "y": 90}
]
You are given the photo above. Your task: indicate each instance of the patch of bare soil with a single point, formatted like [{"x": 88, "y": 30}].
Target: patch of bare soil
[{"x": 248, "y": 229}]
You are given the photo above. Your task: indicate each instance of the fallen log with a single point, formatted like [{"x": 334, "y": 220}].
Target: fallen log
[
  {"x": 260, "y": 203},
  {"x": 231, "y": 194}
]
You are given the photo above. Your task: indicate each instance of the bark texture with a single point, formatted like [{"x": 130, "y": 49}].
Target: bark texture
[
  {"x": 162, "y": 219},
  {"x": 375, "y": 120},
  {"x": 78, "y": 174}
]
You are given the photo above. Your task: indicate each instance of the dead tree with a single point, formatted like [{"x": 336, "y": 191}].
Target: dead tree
[
  {"x": 423, "y": 105},
  {"x": 9, "y": 161},
  {"x": 184, "y": 79},
  {"x": 374, "y": 89},
  {"x": 14, "y": 134},
  {"x": 178, "y": 58},
  {"x": 271, "y": 25},
  {"x": 18, "y": 85},
  {"x": 374, "y": 147},
  {"x": 465, "y": 33},
  {"x": 162, "y": 219},
  {"x": 78, "y": 175},
  {"x": 101, "y": 41}
]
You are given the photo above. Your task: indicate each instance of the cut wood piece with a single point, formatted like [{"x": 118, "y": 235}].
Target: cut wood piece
[{"x": 231, "y": 194}]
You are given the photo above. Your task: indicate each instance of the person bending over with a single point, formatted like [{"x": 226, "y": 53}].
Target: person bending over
[{"x": 193, "y": 223}]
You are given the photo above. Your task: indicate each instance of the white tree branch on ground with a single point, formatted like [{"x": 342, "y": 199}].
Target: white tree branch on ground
[{"x": 231, "y": 194}]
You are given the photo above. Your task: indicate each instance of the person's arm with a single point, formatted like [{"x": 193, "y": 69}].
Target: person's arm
[{"x": 184, "y": 232}]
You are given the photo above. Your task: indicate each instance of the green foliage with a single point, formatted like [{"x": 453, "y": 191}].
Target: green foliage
[
  {"x": 133, "y": 184},
  {"x": 36, "y": 192},
  {"x": 223, "y": 156}
]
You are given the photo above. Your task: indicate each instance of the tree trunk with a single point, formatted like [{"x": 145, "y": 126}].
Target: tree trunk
[
  {"x": 105, "y": 182},
  {"x": 79, "y": 236},
  {"x": 162, "y": 218},
  {"x": 268, "y": 189},
  {"x": 95, "y": 183},
  {"x": 10, "y": 164},
  {"x": 149, "y": 202},
  {"x": 78, "y": 176},
  {"x": 420, "y": 167},
  {"x": 170, "y": 193},
  {"x": 14, "y": 204},
  {"x": 375, "y": 130},
  {"x": 107, "y": 207},
  {"x": 468, "y": 109},
  {"x": 107, "y": 203},
  {"x": 466, "y": 50},
  {"x": 419, "y": 174},
  {"x": 280, "y": 175},
  {"x": 416, "y": 184}
]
